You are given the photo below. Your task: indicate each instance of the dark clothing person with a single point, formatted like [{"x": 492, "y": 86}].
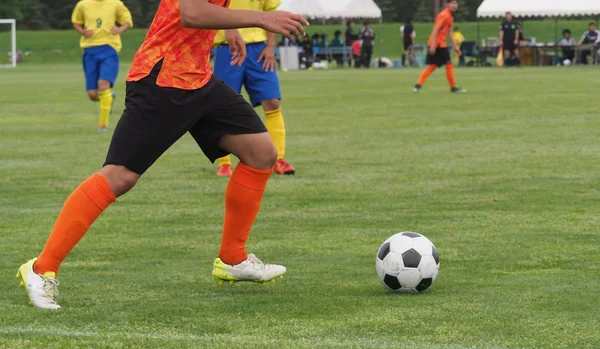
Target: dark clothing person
[
  {"x": 350, "y": 37},
  {"x": 509, "y": 30},
  {"x": 408, "y": 38},
  {"x": 590, "y": 37},
  {"x": 336, "y": 44},
  {"x": 367, "y": 35}
]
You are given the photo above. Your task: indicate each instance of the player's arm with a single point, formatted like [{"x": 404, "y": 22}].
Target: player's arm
[
  {"x": 124, "y": 18},
  {"x": 501, "y": 36},
  {"x": 517, "y": 35},
  {"x": 203, "y": 15},
  {"x": 433, "y": 38},
  {"x": 455, "y": 44},
  {"x": 267, "y": 56},
  {"x": 78, "y": 20}
]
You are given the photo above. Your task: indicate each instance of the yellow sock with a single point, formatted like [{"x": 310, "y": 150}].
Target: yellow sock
[
  {"x": 225, "y": 160},
  {"x": 106, "y": 99},
  {"x": 276, "y": 127}
]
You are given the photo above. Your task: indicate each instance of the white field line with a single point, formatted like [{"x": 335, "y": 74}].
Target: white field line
[{"x": 362, "y": 343}]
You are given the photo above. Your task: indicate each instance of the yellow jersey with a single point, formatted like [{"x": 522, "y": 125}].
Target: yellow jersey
[
  {"x": 250, "y": 35},
  {"x": 100, "y": 16},
  {"x": 458, "y": 38}
]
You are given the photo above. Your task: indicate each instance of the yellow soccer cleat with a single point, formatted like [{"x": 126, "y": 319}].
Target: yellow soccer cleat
[
  {"x": 41, "y": 289},
  {"x": 252, "y": 270}
]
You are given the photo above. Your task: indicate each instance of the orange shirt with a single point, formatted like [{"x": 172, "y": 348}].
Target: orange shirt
[
  {"x": 185, "y": 51},
  {"x": 445, "y": 20}
]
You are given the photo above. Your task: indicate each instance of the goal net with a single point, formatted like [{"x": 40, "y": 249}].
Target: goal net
[{"x": 8, "y": 43}]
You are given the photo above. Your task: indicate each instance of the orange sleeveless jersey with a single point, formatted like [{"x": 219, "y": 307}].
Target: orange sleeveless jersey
[
  {"x": 445, "y": 20},
  {"x": 185, "y": 51}
]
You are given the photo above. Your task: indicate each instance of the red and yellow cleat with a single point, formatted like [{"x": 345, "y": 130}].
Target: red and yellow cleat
[
  {"x": 282, "y": 167},
  {"x": 224, "y": 171}
]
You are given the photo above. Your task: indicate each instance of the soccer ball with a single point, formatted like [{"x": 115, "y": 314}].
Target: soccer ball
[{"x": 407, "y": 262}]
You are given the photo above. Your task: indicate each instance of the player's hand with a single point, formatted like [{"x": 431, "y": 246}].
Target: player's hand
[
  {"x": 88, "y": 33},
  {"x": 237, "y": 46},
  {"x": 458, "y": 51},
  {"x": 267, "y": 56},
  {"x": 516, "y": 42},
  {"x": 115, "y": 30},
  {"x": 431, "y": 50},
  {"x": 285, "y": 23}
]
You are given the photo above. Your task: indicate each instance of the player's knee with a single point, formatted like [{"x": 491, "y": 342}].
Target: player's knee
[
  {"x": 93, "y": 95},
  {"x": 271, "y": 104},
  {"x": 268, "y": 158},
  {"x": 265, "y": 158},
  {"x": 103, "y": 85},
  {"x": 119, "y": 178}
]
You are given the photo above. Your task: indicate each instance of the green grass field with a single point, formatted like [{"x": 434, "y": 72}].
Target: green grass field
[
  {"x": 63, "y": 46},
  {"x": 504, "y": 180}
]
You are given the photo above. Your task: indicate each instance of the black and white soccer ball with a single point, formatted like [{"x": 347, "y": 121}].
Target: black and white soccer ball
[{"x": 407, "y": 262}]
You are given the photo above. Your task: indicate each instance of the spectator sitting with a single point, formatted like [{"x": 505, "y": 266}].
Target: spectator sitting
[
  {"x": 337, "y": 40},
  {"x": 323, "y": 41},
  {"x": 568, "y": 44},
  {"x": 590, "y": 37},
  {"x": 337, "y": 43},
  {"x": 459, "y": 38}
]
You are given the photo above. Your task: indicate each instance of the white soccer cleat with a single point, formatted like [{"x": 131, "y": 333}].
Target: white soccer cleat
[
  {"x": 252, "y": 269},
  {"x": 42, "y": 289}
]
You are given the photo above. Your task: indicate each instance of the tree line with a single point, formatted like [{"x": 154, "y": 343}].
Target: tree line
[{"x": 56, "y": 14}]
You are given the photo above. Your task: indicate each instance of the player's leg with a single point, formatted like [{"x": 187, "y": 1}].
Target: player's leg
[
  {"x": 234, "y": 127},
  {"x": 445, "y": 59},
  {"x": 516, "y": 57},
  {"x": 507, "y": 54},
  {"x": 263, "y": 88},
  {"x": 144, "y": 132},
  {"x": 91, "y": 71},
  {"x": 109, "y": 69},
  {"x": 432, "y": 64},
  {"x": 232, "y": 76}
]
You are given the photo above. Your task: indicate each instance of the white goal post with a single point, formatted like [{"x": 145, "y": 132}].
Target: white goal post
[{"x": 13, "y": 42}]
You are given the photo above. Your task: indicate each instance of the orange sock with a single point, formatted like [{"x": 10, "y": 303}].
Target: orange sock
[
  {"x": 81, "y": 209},
  {"x": 242, "y": 202},
  {"x": 450, "y": 75},
  {"x": 425, "y": 74}
]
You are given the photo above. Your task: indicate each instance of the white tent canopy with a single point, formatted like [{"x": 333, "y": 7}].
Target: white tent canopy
[
  {"x": 538, "y": 8},
  {"x": 332, "y": 8}
]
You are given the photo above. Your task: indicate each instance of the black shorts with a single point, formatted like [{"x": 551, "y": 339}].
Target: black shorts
[
  {"x": 407, "y": 45},
  {"x": 156, "y": 117},
  {"x": 509, "y": 45},
  {"x": 439, "y": 58}
]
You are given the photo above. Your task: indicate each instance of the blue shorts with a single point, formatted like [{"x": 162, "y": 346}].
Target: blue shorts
[
  {"x": 260, "y": 85},
  {"x": 100, "y": 63}
]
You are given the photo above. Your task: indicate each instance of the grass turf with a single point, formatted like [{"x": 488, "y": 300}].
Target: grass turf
[
  {"x": 60, "y": 46},
  {"x": 502, "y": 179}
]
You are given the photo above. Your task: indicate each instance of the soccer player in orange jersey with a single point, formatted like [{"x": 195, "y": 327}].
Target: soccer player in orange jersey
[
  {"x": 170, "y": 92},
  {"x": 438, "y": 54}
]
